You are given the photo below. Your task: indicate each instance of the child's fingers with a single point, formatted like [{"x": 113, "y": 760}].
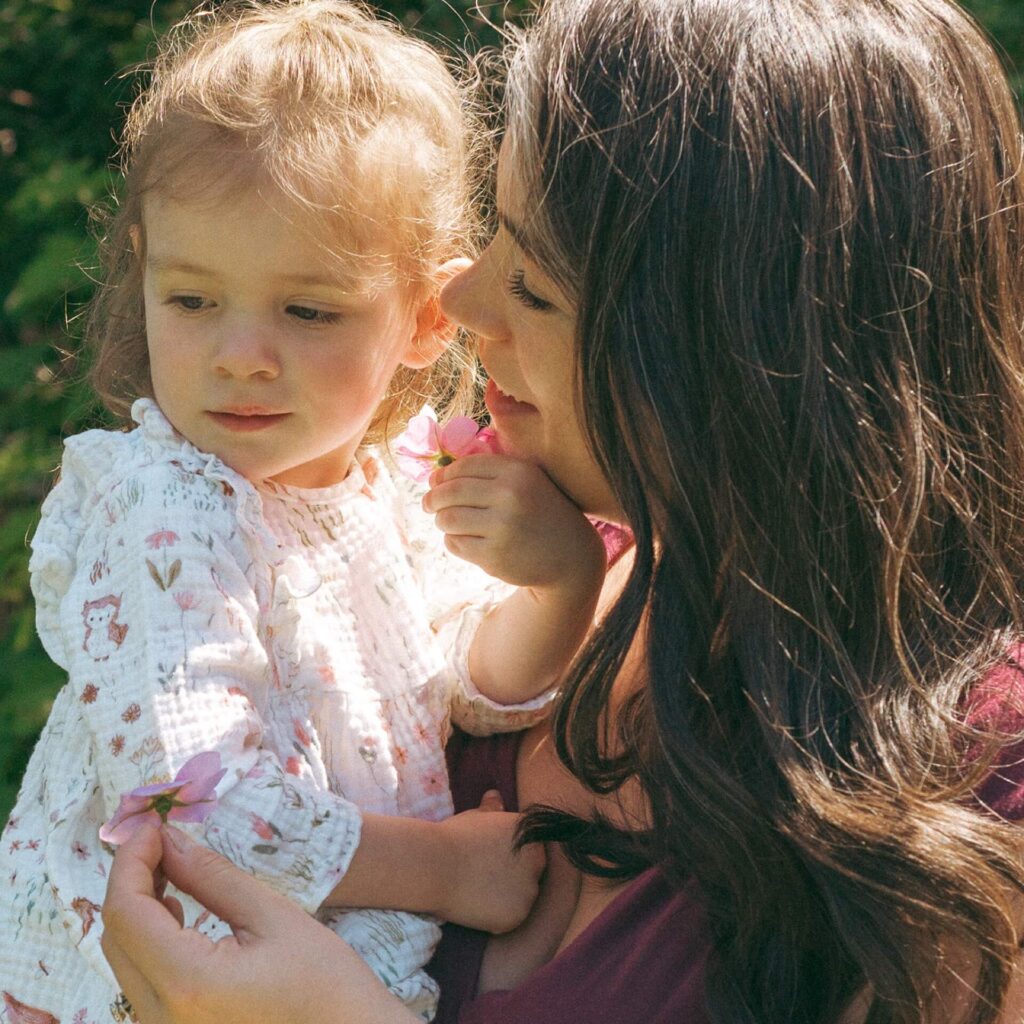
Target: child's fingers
[
  {"x": 465, "y": 522},
  {"x": 487, "y": 467},
  {"x": 470, "y": 549},
  {"x": 472, "y": 492},
  {"x": 491, "y": 801}
]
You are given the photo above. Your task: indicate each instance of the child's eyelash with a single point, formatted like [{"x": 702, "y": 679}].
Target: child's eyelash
[
  {"x": 517, "y": 287},
  {"x": 188, "y": 303},
  {"x": 310, "y": 315}
]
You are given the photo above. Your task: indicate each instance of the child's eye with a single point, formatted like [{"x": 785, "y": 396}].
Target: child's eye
[
  {"x": 310, "y": 315},
  {"x": 517, "y": 287},
  {"x": 189, "y": 303}
]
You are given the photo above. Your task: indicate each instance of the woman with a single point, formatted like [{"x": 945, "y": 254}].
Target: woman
[{"x": 758, "y": 293}]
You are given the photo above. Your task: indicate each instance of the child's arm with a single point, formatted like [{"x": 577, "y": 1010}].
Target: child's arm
[
  {"x": 463, "y": 869},
  {"x": 507, "y": 517}
]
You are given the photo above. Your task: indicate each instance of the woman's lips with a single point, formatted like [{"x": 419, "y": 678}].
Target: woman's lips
[
  {"x": 500, "y": 404},
  {"x": 247, "y": 422}
]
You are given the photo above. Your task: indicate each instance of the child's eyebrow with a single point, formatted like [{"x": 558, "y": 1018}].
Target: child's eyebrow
[{"x": 165, "y": 264}]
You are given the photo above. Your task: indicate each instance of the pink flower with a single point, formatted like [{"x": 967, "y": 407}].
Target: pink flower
[
  {"x": 189, "y": 797},
  {"x": 162, "y": 539},
  {"x": 186, "y": 600},
  {"x": 293, "y": 766},
  {"x": 426, "y": 445}
]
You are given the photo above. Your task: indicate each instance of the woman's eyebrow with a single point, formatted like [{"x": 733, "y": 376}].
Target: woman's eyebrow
[{"x": 517, "y": 233}]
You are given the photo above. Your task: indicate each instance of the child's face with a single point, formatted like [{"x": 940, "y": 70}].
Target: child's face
[{"x": 259, "y": 352}]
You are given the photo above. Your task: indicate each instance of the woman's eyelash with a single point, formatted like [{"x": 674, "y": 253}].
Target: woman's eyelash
[
  {"x": 309, "y": 315},
  {"x": 517, "y": 287}
]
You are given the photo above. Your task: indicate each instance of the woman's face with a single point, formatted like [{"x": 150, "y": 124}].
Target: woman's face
[{"x": 526, "y": 331}]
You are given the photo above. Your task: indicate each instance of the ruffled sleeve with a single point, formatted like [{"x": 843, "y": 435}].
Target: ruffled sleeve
[
  {"x": 458, "y": 596},
  {"x": 55, "y": 544}
]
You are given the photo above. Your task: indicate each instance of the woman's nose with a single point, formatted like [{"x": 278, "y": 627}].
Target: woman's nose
[
  {"x": 473, "y": 300},
  {"x": 246, "y": 350}
]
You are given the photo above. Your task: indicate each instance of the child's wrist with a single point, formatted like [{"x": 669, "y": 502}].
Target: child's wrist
[{"x": 584, "y": 574}]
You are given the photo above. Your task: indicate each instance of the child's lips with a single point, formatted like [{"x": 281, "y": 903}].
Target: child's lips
[{"x": 244, "y": 419}]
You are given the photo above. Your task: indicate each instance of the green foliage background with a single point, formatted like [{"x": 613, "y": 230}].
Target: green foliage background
[{"x": 62, "y": 94}]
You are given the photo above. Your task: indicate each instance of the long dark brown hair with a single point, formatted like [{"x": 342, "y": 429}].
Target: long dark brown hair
[{"x": 795, "y": 232}]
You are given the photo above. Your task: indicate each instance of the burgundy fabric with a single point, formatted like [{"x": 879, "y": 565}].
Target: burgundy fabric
[
  {"x": 997, "y": 705},
  {"x": 475, "y": 765},
  {"x": 641, "y": 959}
]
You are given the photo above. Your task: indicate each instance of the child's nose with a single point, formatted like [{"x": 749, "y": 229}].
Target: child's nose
[{"x": 246, "y": 349}]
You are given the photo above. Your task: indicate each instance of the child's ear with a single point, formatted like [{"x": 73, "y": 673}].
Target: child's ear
[{"x": 434, "y": 331}]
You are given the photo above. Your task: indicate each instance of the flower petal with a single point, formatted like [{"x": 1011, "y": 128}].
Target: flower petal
[
  {"x": 200, "y": 775},
  {"x": 155, "y": 789},
  {"x": 421, "y": 436},
  {"x": 416, "y": 467},
  {"x": 487, "y": 443},
  {"x": 198, "y": 811},
  {"x": 126, "y": 822},
  {"x": 199, "y": 767},
  {"x": 457, "y": 437},
  {"x": 200, "y": 789}
]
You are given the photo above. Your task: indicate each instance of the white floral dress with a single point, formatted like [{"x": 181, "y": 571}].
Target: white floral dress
[{"x": 317, "y": 640}]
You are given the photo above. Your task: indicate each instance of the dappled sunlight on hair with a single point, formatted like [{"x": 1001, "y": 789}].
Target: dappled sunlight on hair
[{"x": 346, "y": 124}]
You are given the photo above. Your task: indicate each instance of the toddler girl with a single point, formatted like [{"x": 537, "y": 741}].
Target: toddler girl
[{"x": 239, "y": 576}]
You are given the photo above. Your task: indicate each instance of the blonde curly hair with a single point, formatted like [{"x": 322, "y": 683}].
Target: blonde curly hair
[{"x": 309, "y": 100}]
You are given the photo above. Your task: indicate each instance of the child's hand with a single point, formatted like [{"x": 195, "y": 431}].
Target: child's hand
[
  {"x": 506, "y": 516},
  {"x": 495, "y": 886}
]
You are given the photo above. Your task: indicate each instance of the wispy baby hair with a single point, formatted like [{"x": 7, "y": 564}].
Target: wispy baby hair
[{"x": 359, "y": 128}]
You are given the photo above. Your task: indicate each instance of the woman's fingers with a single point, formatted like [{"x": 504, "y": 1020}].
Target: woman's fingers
[
  {"x": 243, "y": 902},
  {"x": 173, "y": 905},
  {"x": 135, "y": 923}
]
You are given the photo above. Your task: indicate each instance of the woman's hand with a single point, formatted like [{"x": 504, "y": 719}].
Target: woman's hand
[{"x": 280, "y": 964}]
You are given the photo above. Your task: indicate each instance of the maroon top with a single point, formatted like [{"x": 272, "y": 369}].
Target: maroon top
[{"x": 643, "y": 957}]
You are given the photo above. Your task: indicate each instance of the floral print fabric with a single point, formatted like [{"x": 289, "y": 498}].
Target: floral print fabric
[{"x": 317, "y": 640}]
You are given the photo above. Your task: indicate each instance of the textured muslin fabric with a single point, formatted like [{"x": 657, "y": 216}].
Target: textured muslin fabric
[{"x": 317, "y": 639}]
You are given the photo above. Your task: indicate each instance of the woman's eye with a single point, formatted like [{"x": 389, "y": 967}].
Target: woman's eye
[
  {"x": 188, "y": 303},
  {"x": 517, "y": 287},
  {"x": 310, "y": 315}
]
